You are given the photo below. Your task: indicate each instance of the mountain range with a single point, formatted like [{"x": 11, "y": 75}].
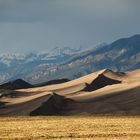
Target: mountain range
[{"x": 65, "y": 62}]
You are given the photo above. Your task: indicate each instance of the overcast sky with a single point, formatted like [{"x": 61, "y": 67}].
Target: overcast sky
[{"x": 39, "y": 25}]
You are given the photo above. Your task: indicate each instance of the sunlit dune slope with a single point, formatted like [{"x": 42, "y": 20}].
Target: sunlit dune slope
[{"x": 101, "y": 92}]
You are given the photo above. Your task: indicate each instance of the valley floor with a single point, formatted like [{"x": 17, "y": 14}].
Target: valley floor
[{"x": 71, "y": 127}]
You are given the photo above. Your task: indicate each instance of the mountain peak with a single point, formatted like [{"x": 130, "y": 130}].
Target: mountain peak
[
  {"x": 135, "y": 36},
  {"x": 65, "y": 62}
]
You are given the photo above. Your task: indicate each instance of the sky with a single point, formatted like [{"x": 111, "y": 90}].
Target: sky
[{"x": 40, "y": 25}]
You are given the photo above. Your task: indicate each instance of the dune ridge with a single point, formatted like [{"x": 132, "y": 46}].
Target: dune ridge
[
  {"x": 100, "y": 82},
  {"x": 101, "y": 92}
]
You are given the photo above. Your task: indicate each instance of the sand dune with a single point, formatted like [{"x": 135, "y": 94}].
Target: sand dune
[
  {"x": 52, "y": 82},
  {"x": 100, "y": 82},
  {"x": 22, "y": 105},
  {"x": 16, "y": 84},
  {"x": 102, "y": 92}
]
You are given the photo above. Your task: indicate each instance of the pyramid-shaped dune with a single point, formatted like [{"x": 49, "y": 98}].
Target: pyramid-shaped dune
[{"x": 101, "y": 92}]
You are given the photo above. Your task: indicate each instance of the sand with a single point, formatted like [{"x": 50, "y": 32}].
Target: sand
[{"x": 101, "y": 92}]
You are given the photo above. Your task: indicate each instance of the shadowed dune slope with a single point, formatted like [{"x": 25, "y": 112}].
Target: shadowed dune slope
[
  {"x": 17, "y": 84},
  {"x": 102, "y": 92},
  {"x": 99, "y": 82},
  {"x": 22, "y": 106},
  {"x": 125, "y": 102},
  {"x": 52, "y": 82},
  {"x": 75, "y": 85},
  {"x": 55, "y": 105}
]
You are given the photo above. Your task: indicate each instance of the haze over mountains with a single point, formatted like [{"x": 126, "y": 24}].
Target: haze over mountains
[
  {"x": 121, "y": 55},
  {"x": 109, "y": 90}
]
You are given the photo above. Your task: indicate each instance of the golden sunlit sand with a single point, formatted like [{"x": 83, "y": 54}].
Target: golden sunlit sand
[
  {"x": 104, "y": 105},
  {"x": 101, "y": 92}
]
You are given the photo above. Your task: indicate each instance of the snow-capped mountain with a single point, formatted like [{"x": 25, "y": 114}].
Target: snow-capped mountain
[
  {"x": 122, "y": 55},
  {"x": 14, "y": 66}
]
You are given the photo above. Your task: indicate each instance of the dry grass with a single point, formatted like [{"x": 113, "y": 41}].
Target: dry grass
[{"x": 76, "y": 127}]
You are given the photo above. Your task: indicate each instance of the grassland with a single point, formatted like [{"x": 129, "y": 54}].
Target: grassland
[{"x": 76, "y": 127}]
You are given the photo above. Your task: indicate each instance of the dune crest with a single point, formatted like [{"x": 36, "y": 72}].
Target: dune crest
[
  {"x": 101, "y": 92},
  {"x": 100, "y": 82}
]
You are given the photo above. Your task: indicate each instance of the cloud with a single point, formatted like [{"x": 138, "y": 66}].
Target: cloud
[{"x": 29, "y": 25}]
